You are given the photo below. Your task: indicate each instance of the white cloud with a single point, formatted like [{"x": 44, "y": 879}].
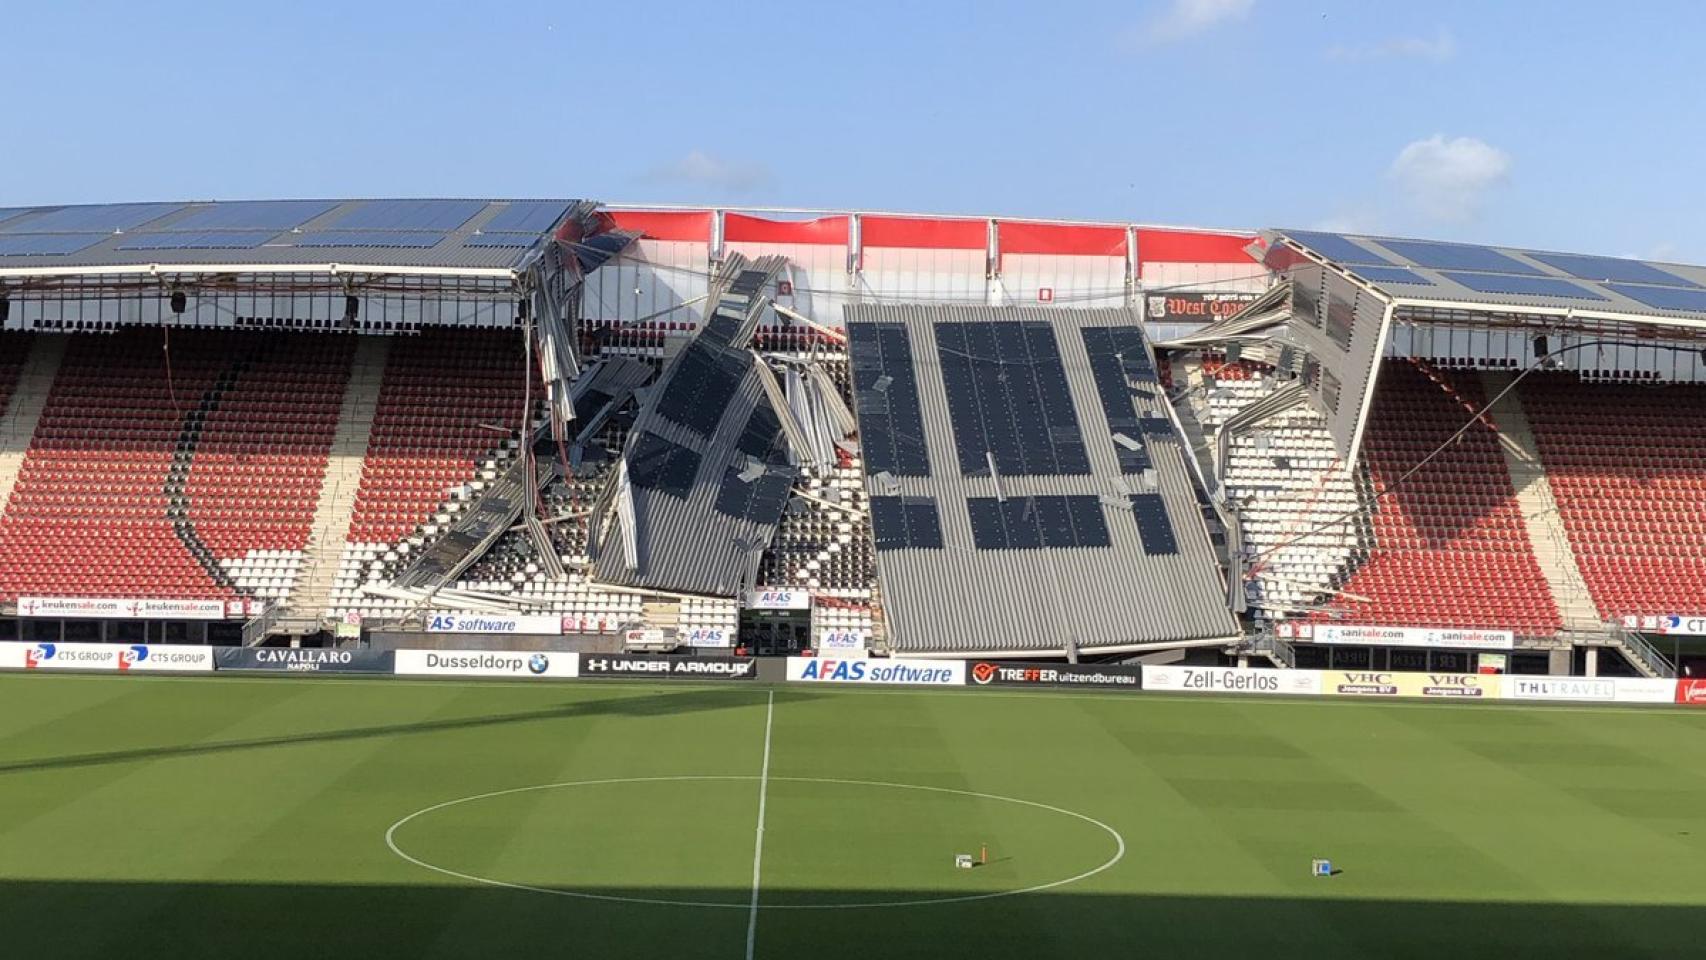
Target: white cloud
[
  {"x": 1442, "y": 46},
  {"x": 701, "y": 169},
  {"x": 1448, "y": 180},
  {"x": 1187, "y": 18}
]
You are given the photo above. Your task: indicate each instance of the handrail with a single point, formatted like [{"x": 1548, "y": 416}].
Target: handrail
[
  {"x": 256, "y": 629},
  {"x": 1640, "y": 650}
]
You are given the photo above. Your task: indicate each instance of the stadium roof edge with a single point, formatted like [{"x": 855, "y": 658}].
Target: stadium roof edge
[{"x": 1449, "y": 276}]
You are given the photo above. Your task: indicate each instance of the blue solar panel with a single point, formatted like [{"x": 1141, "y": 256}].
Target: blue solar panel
[
  {"x": 528, "y": 216},
  {"x": 46, "y": 244},
  {"x": 1459, "y": 256},
  {"x": 1523, "y": 286},
  {"x": 274, "y": 215},
  {"x": 408, "y": 215},
  {"x": 1398, "y": 275},
  {"x": 1611, "y": 268},
  {"x": 369, "y": 238},
  {"x": 224, "y": 240},
  {"x": 7, "y": 213},
  {"x": 104, "y": 218},
  {"x": 1336, "y": 248},
  {"x": 1664, "y": 298},
  {"x": 519, "y": 240}
]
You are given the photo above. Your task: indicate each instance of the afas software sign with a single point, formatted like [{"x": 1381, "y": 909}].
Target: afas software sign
[
  {"x": 137, "y": 657},
  {"x": 921, "y": 673},
  {"x": 486, "y": 663}
]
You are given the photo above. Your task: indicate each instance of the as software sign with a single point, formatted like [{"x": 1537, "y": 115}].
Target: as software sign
[
  {"x": 924, "y": 673},
  {"x": 486, "y": 663},
  {"x": 445, "y": 621}
]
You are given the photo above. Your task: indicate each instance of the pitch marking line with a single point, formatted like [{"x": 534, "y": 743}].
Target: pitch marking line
[
  {"x": 758, "y": 842},
  {"x": 1119, "y": 846}
]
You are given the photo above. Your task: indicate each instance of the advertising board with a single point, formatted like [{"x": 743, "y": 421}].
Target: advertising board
[
  {"x": 303, "y": 659},
  {"x": 1691, "y": 692},
  {"x": 667, "y": 667},
  {"x": 920, "y": 673},
  {"x": 1395, "y": 683},
  {"x": 1600, "y": 689},
  {"x": 109, "y": 608},
  {"x": 138, "y": 657},
  {"x": 778, "y": 600},
  {"x": 1232, "y": 680},
  {"x": 450, "y": 621},
  {"x": 1435, "y": 638},
  {"x": 841, "y": 643},
  {"x": 982, "y": 673},
  {"x": 486, "y": 663}
]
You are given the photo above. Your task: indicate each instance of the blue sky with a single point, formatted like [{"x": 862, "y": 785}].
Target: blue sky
[{"x": 1567, "y": 125}]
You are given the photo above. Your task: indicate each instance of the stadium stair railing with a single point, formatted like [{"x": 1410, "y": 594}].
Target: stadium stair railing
[{"x": 1642, "y": 654}]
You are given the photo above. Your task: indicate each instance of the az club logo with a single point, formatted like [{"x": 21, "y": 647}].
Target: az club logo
[
  {"x": 983, "y": 672},
  {"x": 538, "y": 663},
  {"x": 34, "y": 656}
]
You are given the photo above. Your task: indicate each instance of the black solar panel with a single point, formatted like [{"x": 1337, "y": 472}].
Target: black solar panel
[
  {"x": 1027, "y": 523},
  {"x": 760, "y": 500},
  {"x": 658, "y": 464},
  {"x": 1118, "y": 360},
  {"x": 730, "y": 311},
  {"x": 407, "y": 214},
  {"x": 705, "y": 381},
  {"x": 1153, "y": 526},
  {"x": 1336, "y": 247},
  {"x": 266, "y": 215},
  {"x": 1615, "y": 269},
  {"x": 762, "y": 437},
  {"x": 1459, "y": 256},
  {"x": 905, "y": 523},
  {"x": 885, "y": 390},
  {"x": 1523, "y": 286},
  {"x": 1008, "y": 399},
  {"x": 528, "y": 216},
  {"x": 94, "y": 218}
]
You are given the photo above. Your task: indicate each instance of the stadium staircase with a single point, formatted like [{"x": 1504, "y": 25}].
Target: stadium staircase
[
  {"x": 335, "y": 507},
  {"x": 1540, "y": 510},
  {"x": 24, "y": 389}
]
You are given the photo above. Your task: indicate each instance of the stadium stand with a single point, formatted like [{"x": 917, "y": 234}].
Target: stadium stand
[
  {"x": 1447, "y": 546},
  {"x": 14, "y": 350},
  {"x": 1627, "y": 466},
  {"x": 180, "y": 469}
]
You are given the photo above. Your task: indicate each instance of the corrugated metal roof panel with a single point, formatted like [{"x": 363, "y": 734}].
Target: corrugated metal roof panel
[{"x": 960, "y": 599}]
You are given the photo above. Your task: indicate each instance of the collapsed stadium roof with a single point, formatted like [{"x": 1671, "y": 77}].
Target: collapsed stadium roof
[
  {"x": 1028, "y": 492},
  {"x": 1330, "y": 317}
]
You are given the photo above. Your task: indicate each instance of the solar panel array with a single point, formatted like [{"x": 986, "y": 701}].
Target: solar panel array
[
  {"x": 1120, "y": 365},
  {"x": 1008, "y": 399},
  {"x": 659, "y": 464},
  {"x": 445, "y": 226},
  {"x": 1153, "y": 525},
  {"x": 905, "y": 523},
  {"x": 1457, "y": 272},
  {"x": 1029, "y": 523},
  {"x": 885, "y": 388},
  {"x": 706, "y": 378}
]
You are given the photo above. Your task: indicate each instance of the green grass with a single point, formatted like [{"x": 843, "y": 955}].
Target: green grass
[{"x": 144, "y": 817}]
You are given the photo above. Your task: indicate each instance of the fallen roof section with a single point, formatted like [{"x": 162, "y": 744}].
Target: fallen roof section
[
  {"x": 1029, "y": 494},
  {"x": 707, "y": 470}
]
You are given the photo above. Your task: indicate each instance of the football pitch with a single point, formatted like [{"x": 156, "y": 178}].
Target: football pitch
[{"x": 300, "y": 818}]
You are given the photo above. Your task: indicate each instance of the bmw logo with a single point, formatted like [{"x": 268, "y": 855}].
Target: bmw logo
[{"x": 538, "y": 663}]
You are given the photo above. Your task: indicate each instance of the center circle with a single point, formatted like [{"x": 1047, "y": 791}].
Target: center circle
[{"x": 690, "y": 841}]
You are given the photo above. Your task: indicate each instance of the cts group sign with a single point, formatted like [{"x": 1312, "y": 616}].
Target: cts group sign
[{"x": 134, "y": 657}]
